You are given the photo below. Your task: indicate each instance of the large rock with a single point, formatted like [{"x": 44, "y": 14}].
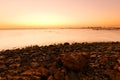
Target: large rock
[{"x": 75, "y": 61}]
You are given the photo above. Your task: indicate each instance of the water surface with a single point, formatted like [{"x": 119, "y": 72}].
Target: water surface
[{"x": 20, "y": 38}]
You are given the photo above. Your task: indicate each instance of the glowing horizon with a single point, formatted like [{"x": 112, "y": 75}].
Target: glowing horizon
[{"x": 59, "y": 13}]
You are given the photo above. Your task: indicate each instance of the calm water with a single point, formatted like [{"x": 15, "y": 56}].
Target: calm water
[{"x": 20, "y": 38}]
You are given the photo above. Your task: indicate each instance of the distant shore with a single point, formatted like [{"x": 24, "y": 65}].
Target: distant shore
[
  {"x": 75, "y": 61},
  {"x": 94, "y": 28}
]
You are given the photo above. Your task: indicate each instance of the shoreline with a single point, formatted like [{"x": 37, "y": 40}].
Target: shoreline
[
  {"x": 21, "y": 47},
  {"x": 67, "y": 61}
]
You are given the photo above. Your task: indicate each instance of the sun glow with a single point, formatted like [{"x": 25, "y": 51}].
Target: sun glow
[
  {"x": 42, "y": 20},
  {"x": 59, "y": 13}
]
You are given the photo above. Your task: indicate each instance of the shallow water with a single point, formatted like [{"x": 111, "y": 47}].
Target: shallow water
[{"x": 20, "y": 38}]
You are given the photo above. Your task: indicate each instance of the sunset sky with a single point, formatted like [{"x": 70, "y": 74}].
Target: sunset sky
[{"x": 59, "y": 13}]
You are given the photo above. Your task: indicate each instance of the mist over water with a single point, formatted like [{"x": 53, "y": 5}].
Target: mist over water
[{"x": 10, "y": 39}]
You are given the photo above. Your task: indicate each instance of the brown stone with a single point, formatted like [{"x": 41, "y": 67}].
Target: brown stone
[
  {"x": 67, "y": 77},
  {"x": 14, "y": 65},
  {"x": 64, "y": 71},
  {"x": 32, "y": 72},
  {"x": 3, "y": 67},
  {"x": 111, "y": 73},
  {"x": 52, "y": 69},
  {"x": 43, "y": 71},
  {"x": 75, "y": 61},
  {"x": 50, "y": 78},
  {"x": 59, "y": 75},
  {"x": 56, "y": 75},
  {"x": 28, "y": 72},
  {"x": 73, "y": 76},
  {"x": 118, "y": 61},
  {"x": 2, "y": 78},
  {"x": 37, "y": 77},
  {"x": 1, "y": 61},
  {"x": 34, "y": 64},
  {"x": 117, "y": 76},
  {"x": 118, "y": 68},
  {"x": 2, "y": 57},
  {"x": 13, "y": 72}
]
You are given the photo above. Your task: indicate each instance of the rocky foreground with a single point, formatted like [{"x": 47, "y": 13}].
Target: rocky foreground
[{"x": 77, "y": 61}]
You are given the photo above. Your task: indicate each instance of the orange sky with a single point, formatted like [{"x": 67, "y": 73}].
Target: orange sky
[{"x": 59, "y": 13}]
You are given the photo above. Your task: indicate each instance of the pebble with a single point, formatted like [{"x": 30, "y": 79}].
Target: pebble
[
  {"x": 94, "y": 55},
  {"x": 119, "y": 68},
  {"x": 50, "y": 64},
  {"x": 118, "y": 61}
]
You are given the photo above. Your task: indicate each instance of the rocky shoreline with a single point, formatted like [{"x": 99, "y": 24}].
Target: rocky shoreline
[{"x": 76, "y": 61}]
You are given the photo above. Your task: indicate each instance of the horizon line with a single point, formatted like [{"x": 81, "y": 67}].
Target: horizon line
[{"x": 60, "y": 28}]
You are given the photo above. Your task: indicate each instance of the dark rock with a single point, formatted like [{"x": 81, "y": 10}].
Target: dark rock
[{"x": 73, "y": 76}]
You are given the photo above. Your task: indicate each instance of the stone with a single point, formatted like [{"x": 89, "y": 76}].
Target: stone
[
  {"x": 59, "y": 75},
  {"x": 32, "y": 72},
  {"x": 118, "y": 61},
  {"x": 15, "y": 65},
  {"x": 52, "y": 69},
  {"x": 28, "y": 72},
  {"x": 2, "y": 57},
  {"x": 93, "y": 56},
  {"x": 50, "y": 78},
  {"x": 75, "y": 61},
  {"x": 118, "y": 68},
  {"x": 34, "y": 64},
  {"x": 1, "y": 61},
  {"x": 73, "y": 76},
  {"x": 43, "y": 71},
  {"x": 3, "y": 68},
  {"x": 117, "y": 76},
  {"x": 67, "y": 77}
]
